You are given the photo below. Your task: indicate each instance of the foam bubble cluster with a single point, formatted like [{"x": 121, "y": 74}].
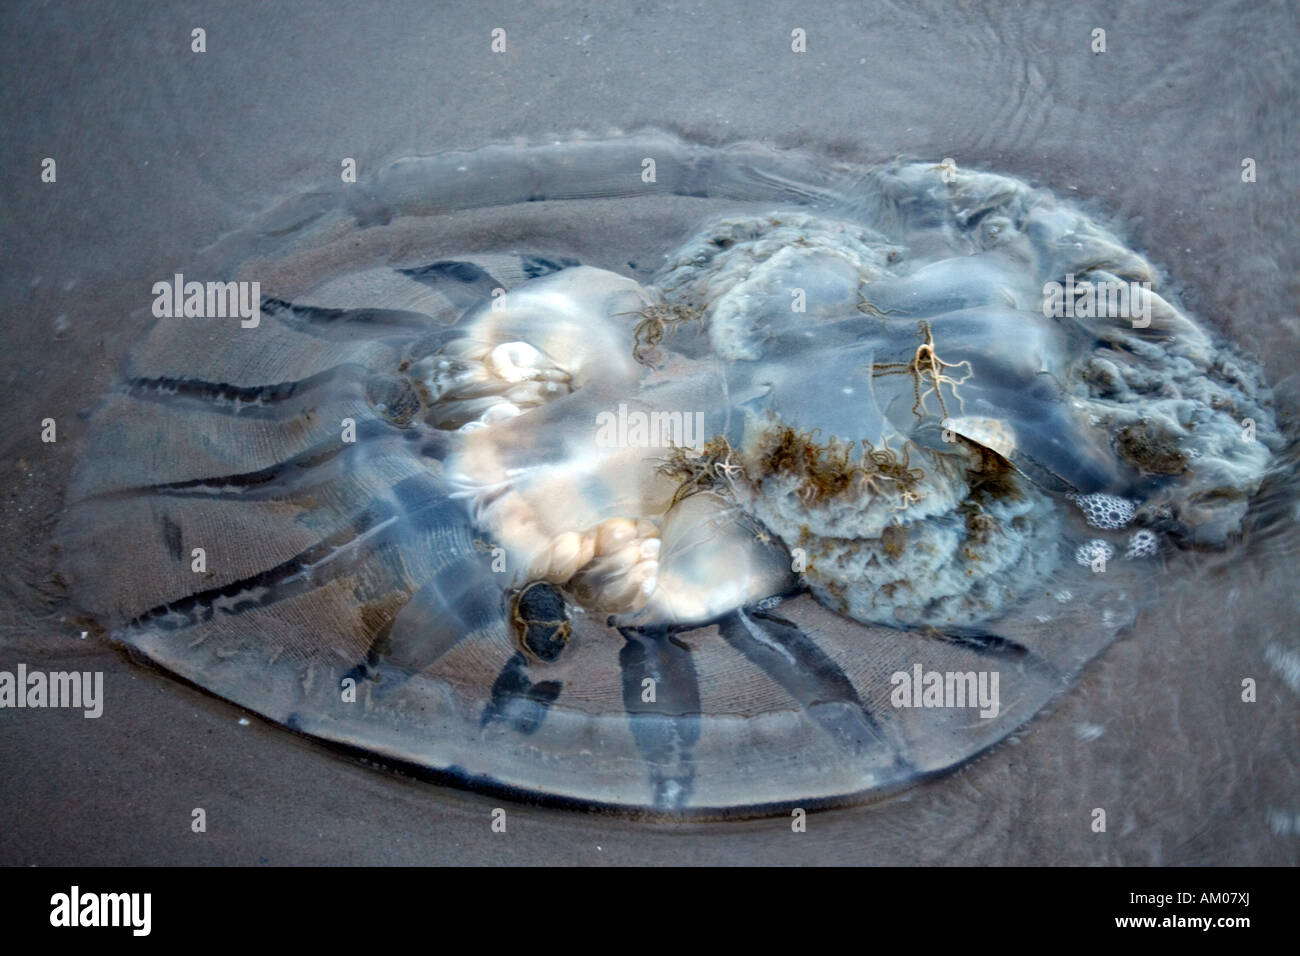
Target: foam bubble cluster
[
  {"x": 1090, "y": 551},
  {"x": 1108, "y": 512},
  {"x": 1143, "y": 544}
]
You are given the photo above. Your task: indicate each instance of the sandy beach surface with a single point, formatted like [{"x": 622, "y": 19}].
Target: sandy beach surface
[{"x": 160, "y": 151}]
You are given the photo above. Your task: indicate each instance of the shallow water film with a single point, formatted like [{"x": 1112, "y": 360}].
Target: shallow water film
[
  {"x": 650, "y": 433},
  {"x": 853, "y": 483}
]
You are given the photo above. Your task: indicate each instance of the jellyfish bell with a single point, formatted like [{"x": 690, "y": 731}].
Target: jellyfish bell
[{"x": 657, "y": 543}]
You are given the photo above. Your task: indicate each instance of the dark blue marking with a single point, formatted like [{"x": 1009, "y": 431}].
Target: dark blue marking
[
  {"x": 463, "y": 283},
  {"x": 276, "y": 482},
  {"x": 142, "y": 387},
  {"x": 272, "y": 585},
  {"x": 316, "y": 315},
  {"x": 535, "y": 266},
  {"x": 992, "y": 645},
  {"x": 360, "y": 673},
  {"x": 464, "y": 272},
  {"x": 171, "y": 533},
  {"x": 245, "y": 401},
  {"x": 516, "y": 700},
  {"x": 792, "y": 659},
  {"x": 667, "y": 728}
]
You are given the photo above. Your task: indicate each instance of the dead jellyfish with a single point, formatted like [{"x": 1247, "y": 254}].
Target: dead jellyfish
[{"x": 785, "y": 521}]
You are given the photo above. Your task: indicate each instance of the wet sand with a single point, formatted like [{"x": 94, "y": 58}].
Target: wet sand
[{"x": 160, "y": 151}]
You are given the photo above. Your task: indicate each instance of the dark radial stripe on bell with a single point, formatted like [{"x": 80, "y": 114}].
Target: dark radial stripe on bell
[
  {"x": 667, "y": 727},
  {"x": 517, "y": 700},
  {"x": 303, "y": 572},
  {"x": 373, "y": 320},
  {"x": 465, "y": 284},
  {"x": 280, "y": 481},
  {"x": 535, "y": 266},
  {"x": 1002, "y": 648},
  {"x": 807, "y": 673},
  {"x": 245, "y": 401}
]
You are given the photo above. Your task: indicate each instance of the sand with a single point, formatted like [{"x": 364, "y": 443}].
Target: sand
[{"x": 160, "y": 151}]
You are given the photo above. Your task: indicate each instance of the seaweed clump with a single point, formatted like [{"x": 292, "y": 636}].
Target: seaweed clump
[
  {"x": 1152, "y": 450},
  {"x": 714, "y": 469},
  {"x": 829, "y": 471}
]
